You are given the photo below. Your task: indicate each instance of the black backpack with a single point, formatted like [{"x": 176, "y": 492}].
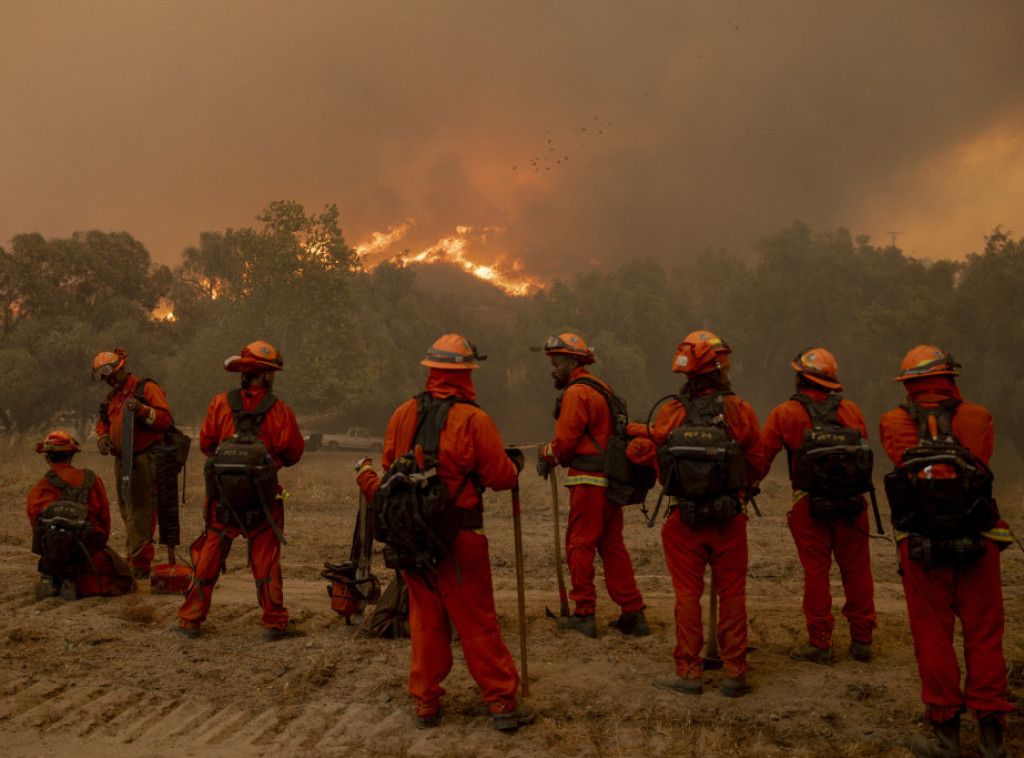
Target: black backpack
[
  {"x": 62, "y": 534},
  {"x": 628, "y": 483},
  {"x": 240, "y": 475},
  {"x": 948, "y": 512},
  {"x": 413, "y": 513},
  {"x": 704, "y": 467},
  {"x": 832, "y": 463}
]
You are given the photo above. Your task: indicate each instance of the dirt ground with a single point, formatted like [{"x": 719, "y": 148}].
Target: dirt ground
[{"x": 107, "y": 676}]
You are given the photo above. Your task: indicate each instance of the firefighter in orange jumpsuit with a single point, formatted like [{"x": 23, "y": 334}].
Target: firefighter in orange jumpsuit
[
  {"x": 816, "y": 539},
  {"x": 460, "y": 589},
  {"x": 704, "y": 359},
  {"x": 152, "y": 418},
  {"x": 279, "y": 432},
  {"x": 595, "y": 523},
  {"x": 940, "y": 592},
  {"x": 102, "y": 571}
]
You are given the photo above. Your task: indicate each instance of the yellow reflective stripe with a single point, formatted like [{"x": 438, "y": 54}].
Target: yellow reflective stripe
[
  {"x": 998, "y": 535},
  {"x": 596, "y": 480},
  {"x": 151, "y": 417},
  {"x": 799, "y": 495}
]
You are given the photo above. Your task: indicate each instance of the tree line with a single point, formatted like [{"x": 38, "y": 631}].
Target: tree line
[{"x": 352, "y": 339}]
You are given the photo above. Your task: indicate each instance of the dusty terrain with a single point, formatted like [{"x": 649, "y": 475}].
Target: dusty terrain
[{"x": 107, "y": 677}]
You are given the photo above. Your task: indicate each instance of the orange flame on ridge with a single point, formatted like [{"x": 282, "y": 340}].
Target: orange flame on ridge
[{"x": 452, "y": 250}]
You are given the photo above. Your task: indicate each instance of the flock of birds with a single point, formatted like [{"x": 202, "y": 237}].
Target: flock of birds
[{"x": 547, "y": 161}]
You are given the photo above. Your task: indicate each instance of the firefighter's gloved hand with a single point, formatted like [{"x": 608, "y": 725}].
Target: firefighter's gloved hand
[
  {"x": 364, "y": 463},
  {"x": 543, "y": 465},
  {"x": 103, "y": 443},
  {"x": 518, "y": 459},
  {"x": 141, "y": 409}
]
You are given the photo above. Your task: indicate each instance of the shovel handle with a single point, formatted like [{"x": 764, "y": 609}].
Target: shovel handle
[{"x": 563, "y": 597}]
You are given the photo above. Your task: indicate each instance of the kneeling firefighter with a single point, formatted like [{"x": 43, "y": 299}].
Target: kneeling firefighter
[
  {"x": 70, "y": 518},
  {"x": 440, "y": 452},
  {"x": 949, "y": 536},
  {"x": 247, "y": 436},
  {"x": 706, "y": 445}
]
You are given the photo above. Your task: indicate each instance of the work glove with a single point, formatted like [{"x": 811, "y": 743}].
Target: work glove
[
  {"x": 518, "y": 459},
  {"x": 544, "y": 464},
  {"x": 364, "y": 463},
  {"x": 103, "y": 443}
]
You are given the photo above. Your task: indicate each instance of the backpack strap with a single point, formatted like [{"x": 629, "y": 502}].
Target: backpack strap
[
  {"x": 248, "y": 422},
  {"x": 705, "y": 410},
  {"x": 433, "y": 415},
  {"x": 943, "y": 414},
  {"x": 824, "y": 413},
  {"x": 78, "y": 494}
]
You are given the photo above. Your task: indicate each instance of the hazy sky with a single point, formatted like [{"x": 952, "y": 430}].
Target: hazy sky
[{"x": 567, "y": 134}]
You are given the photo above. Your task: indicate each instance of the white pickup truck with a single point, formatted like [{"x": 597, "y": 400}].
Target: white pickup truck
[{"x": 356, "y": 438}]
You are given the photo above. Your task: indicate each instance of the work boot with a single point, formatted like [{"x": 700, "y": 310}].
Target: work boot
[
  {"x": 990, "y": 738},
  {"x": 944, "y": 742},
  {"x": 46, "y": 587},
  {"x": 67, "y": 590},
  {"x": 861, "y": 651},
  {"x": 191, "y": 633},
  {"x": 632, "y": 623},
  {"x": 271, "y": 634},
  {"x": 509, "y": 721},
  {"x": 585, "y": 625},
  {"x": 676, "y": 683},
  {"x": 428, "y": 721},
  {"x": 735, "y": 687},
  {"x": 812, "y": 654}
]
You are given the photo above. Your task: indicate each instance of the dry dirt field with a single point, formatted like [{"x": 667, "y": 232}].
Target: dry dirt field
[{"x": 107, "y": 677}]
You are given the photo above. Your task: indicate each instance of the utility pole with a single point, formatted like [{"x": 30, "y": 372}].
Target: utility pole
[{"x": 894, "y": 235}]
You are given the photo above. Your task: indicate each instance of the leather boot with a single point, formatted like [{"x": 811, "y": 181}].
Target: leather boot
[
  {"x": 944, "y": 742},
  {"x": 990, "y": 738},
  {"x": 585, "y": 625},
  {"x": 632, "y": 623}
]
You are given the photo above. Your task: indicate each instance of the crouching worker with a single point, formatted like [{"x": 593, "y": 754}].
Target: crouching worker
[
  {"x": 453, "y": 451},
  {"x": 247, "y": 436},
  {"x": 70, "y": 518}
]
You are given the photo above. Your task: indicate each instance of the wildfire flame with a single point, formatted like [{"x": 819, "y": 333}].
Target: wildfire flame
[{"x": 452, "y": 249}]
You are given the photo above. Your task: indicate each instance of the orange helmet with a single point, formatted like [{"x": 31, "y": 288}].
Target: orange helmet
[
  {"x": 107, "y": 363},
  {"x": 700, "y": 353},
  {"x": 452, "y": 351},
  {"x": 256, "y": 357},
  {"x": 818, "y": 365},
  {"x": 570, "y": 344},
  {"x": 926, "y": 360},
  {"x": 58, "y": 441}
]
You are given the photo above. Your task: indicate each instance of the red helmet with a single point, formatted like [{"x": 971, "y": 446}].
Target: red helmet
[
  {"x": 58, "y": 441},
  {"x": 106, "y": 363},
  {"x": 926, "y": 360},
  {"x": 819, "y": 366},
  {"x": 255, "y": 358},
  {"x": 700, "y": 353},
  {"x": 452, "y": 351},
  {"x": 570, "y": 344}
]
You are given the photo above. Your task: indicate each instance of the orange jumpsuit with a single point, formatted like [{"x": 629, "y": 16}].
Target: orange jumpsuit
[
  {"x": 939, "y": 595},
  {"x": 104, "y": 573},
  {"x": 688, "y": 550},
  {"x": 280, "y": 433},
  {"x": 461, "y": 589},
  {"x": 817, "y": 541},
  {"x": 139, "y": 512},
  {"x": 595, "y": 523}
]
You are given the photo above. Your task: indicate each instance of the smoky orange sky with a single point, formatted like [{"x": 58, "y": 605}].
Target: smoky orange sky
[{"x": 564, "y": 134}]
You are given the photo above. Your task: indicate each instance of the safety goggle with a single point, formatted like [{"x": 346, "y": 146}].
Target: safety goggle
[
  {"x": 557, "y": 343},
  {"x": 101, "y": 371},
  {"x": 449, "y": 356},
  {"x": 924, "y": 368}
]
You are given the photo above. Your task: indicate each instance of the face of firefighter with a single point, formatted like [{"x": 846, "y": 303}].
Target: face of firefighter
[
  {"x": 261, "y": 380},
  {"x": 117, "y": 378},
  {"x": 561, "y": 367}
]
